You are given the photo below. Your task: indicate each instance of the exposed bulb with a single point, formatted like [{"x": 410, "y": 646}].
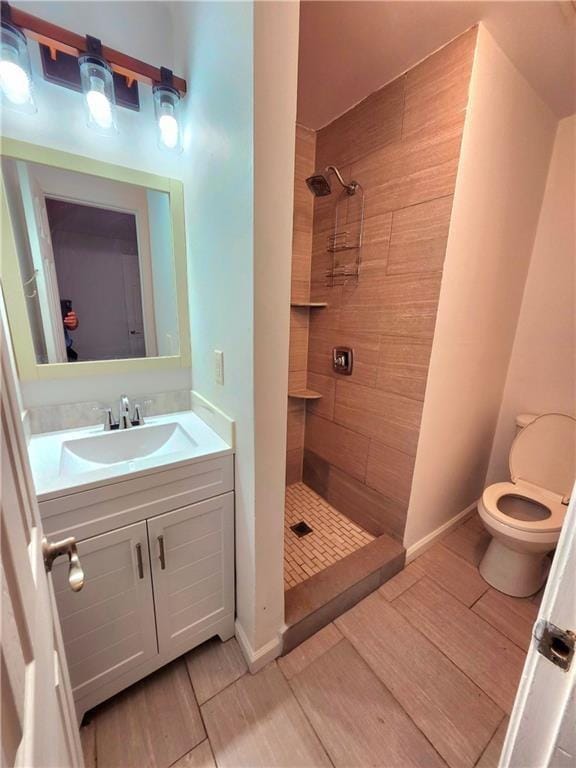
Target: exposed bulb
[
  {"x": 99, "y": 104},
  {"x": 14, "y": 82},
  {"x": 168, "y": 131}
]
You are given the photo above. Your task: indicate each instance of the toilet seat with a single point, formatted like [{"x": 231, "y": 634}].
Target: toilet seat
[{"x": 551, "y": 501}]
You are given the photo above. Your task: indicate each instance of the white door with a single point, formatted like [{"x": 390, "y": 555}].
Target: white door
[
  {"x": 192, "y": 552},
  {"x": 109, "y": 626},
  {"x": 542, "y": 729},
  {"x": 39, "y": 725}
]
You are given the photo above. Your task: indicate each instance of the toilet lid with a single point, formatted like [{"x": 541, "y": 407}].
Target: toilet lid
[{"x": 544, "y": 453}]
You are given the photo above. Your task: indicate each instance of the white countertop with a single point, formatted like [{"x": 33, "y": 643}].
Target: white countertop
[{"x": 56, "y": 473}]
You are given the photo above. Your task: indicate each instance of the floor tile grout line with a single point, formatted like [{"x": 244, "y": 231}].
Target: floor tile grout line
[
  {"x": 481, "y": 755},
  {"x": 443, "y": 652},
  {"x": 383, "y": 684}
]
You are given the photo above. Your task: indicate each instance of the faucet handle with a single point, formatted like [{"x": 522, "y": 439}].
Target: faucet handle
[
  {"x": 139, "y": 411},
  {"x": 109, "y": 422}
]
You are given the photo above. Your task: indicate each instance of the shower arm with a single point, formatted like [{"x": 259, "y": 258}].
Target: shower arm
[{"x": 350, "y": 188}]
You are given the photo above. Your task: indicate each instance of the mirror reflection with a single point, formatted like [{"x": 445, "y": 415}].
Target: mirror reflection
[{"x": 97, "y": 264}]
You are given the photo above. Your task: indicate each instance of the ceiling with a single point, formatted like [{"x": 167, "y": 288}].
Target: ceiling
[{"x": 350, "y": 48}]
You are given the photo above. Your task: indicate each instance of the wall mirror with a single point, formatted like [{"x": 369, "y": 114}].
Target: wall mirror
[{"x": 95, "y": 263}]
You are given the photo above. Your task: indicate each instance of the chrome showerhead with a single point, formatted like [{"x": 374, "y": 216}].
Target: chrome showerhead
[{"x": 319, "y": 185}]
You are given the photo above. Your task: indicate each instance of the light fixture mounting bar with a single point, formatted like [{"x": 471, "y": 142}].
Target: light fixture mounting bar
[{"x": 61, "y": 39}]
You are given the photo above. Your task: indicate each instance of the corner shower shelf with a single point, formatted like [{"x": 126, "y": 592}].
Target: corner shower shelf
[
  {"x": 309, "y": 304},
  {"x": 304, "y": 394}
]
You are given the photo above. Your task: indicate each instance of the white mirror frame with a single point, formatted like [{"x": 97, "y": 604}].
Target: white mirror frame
[{"x": 12, "y": 279}]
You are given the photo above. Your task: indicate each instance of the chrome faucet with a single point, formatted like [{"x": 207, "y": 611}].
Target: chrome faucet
[{"x": 124, "y": 420}]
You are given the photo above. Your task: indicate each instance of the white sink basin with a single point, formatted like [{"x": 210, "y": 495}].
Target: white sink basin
[
  {"x": 89, "y": 456},
  {"x": 83, "y": 454}
]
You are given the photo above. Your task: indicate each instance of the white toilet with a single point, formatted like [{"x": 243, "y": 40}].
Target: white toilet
[{"x": 525, "y": 516}]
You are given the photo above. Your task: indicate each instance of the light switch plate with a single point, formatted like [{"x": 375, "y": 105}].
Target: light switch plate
[{"x": 219, "y": 366}]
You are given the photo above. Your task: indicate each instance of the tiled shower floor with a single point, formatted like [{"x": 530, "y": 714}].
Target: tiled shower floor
[{"x": 333, "y": 535}]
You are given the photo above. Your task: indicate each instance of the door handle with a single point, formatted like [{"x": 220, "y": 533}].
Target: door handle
[
  {"x": 162, "y": 554},
  {"x": 53, "y": 549}
]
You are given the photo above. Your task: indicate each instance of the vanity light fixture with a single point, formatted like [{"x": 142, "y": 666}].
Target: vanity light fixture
[
  {"x": 98, "y": 88},
  {"x": 167, "y": 111},
  {"x": 15, "y": 70}
]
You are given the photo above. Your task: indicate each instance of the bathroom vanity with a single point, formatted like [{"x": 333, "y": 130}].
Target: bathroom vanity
[{"x": 152, "y": 511}]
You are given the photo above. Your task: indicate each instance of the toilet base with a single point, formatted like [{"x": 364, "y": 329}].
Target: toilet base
[{"x": 518, "y": 574}]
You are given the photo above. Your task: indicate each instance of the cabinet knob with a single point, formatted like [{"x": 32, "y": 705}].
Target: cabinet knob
[{"x": 53, "y": 549}]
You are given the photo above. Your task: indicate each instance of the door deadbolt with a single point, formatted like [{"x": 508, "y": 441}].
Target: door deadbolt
[{"x": 53, "y": 549}]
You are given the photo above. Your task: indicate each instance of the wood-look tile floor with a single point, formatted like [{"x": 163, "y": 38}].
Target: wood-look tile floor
[
  {"x": 333, "y": 535},
  {"x": 421, "y": 673}
]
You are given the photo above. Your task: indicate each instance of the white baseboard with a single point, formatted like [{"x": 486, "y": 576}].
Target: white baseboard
[
  {"x": 427, "y": 541},
  {"x": 258, "y": 659}
]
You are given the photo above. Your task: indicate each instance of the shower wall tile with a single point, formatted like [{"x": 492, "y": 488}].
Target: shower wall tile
[
  {"x": 390, "y": 471},
  {"x": 418, "y": 237},
  {"x": 438, "y": 87},
  {"x": 298, "y": 352},
  {"x": 337, "y": 445},
  {"x": 374, "y": 122},
  {"x": 403, "y": 366},
  {"x": 295, "y": 430},
  {"x": 381, "y": 415},
  {"x": 326, "y": 385},
  {"x": 402, "y": 144}
]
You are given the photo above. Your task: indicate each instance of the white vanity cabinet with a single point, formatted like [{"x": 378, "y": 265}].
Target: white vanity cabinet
[{"x": 155, "y": 588}]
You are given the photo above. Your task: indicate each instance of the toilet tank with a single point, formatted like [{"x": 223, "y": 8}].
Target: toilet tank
[{"x": 523, "y": 419}]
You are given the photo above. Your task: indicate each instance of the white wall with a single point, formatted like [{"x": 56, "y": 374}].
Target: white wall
[
  {"x": 541, "y": 375},
  {"x": 239, "y": 274},
  {"x": 506, "y": 149},
  {"x": 143, "y": 30}
]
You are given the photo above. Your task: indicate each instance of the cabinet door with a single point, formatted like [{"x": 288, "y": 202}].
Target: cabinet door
[
  {"x": 108, "y": 626},
  {"x": 192, "y": 551}
]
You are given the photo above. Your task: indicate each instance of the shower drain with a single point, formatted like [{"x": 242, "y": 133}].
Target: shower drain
[{"x": 301, "y": 529}]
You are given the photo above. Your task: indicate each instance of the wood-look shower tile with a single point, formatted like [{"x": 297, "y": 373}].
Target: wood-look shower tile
[
  {"x": 410, "y": 171},
  {"x": 337, "y": 445},
  {"x": 454, "y": 714},
  {"x": 390, "y": 471},
  {"x": 458, "y": 577},
  {"x": 437, "y": 88},
  {"x": 298, "y": 350},
  {"x": 403, "y": 366},
  {"x": 419, "y": 236},
  {"x": 358, "y": 720},
  {"x": 297, "y": 379},
  {"x": 151, "y": 724},
  {"x": 295, "y": 431},
  {"x": 409, "y": 305},
  {"x": 373, "y": 511},
  {"x": 480, "y": 651},
  {"x": 214, "y": 665},
  {"x": 369, "y": 125},
  {"x": 327, "y": 388},
  {"x": 305, "y": 156},
  {"x": 385, "y": 416},
  {"x": 294, "y": 461},
  {"x": 513, "y": 616},
  {"x": 88, "y": 742},
  {"x": 257, "y": 722},
  {"x": 377, "y": 229},
  {"x": 366, "y": 352}
]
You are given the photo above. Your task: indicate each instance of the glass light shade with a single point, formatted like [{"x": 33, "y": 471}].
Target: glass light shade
[
  {"x": 15, "y": 71},
  {"x": 167, "y": 111},
  {"x": 98, "y": 89}
]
